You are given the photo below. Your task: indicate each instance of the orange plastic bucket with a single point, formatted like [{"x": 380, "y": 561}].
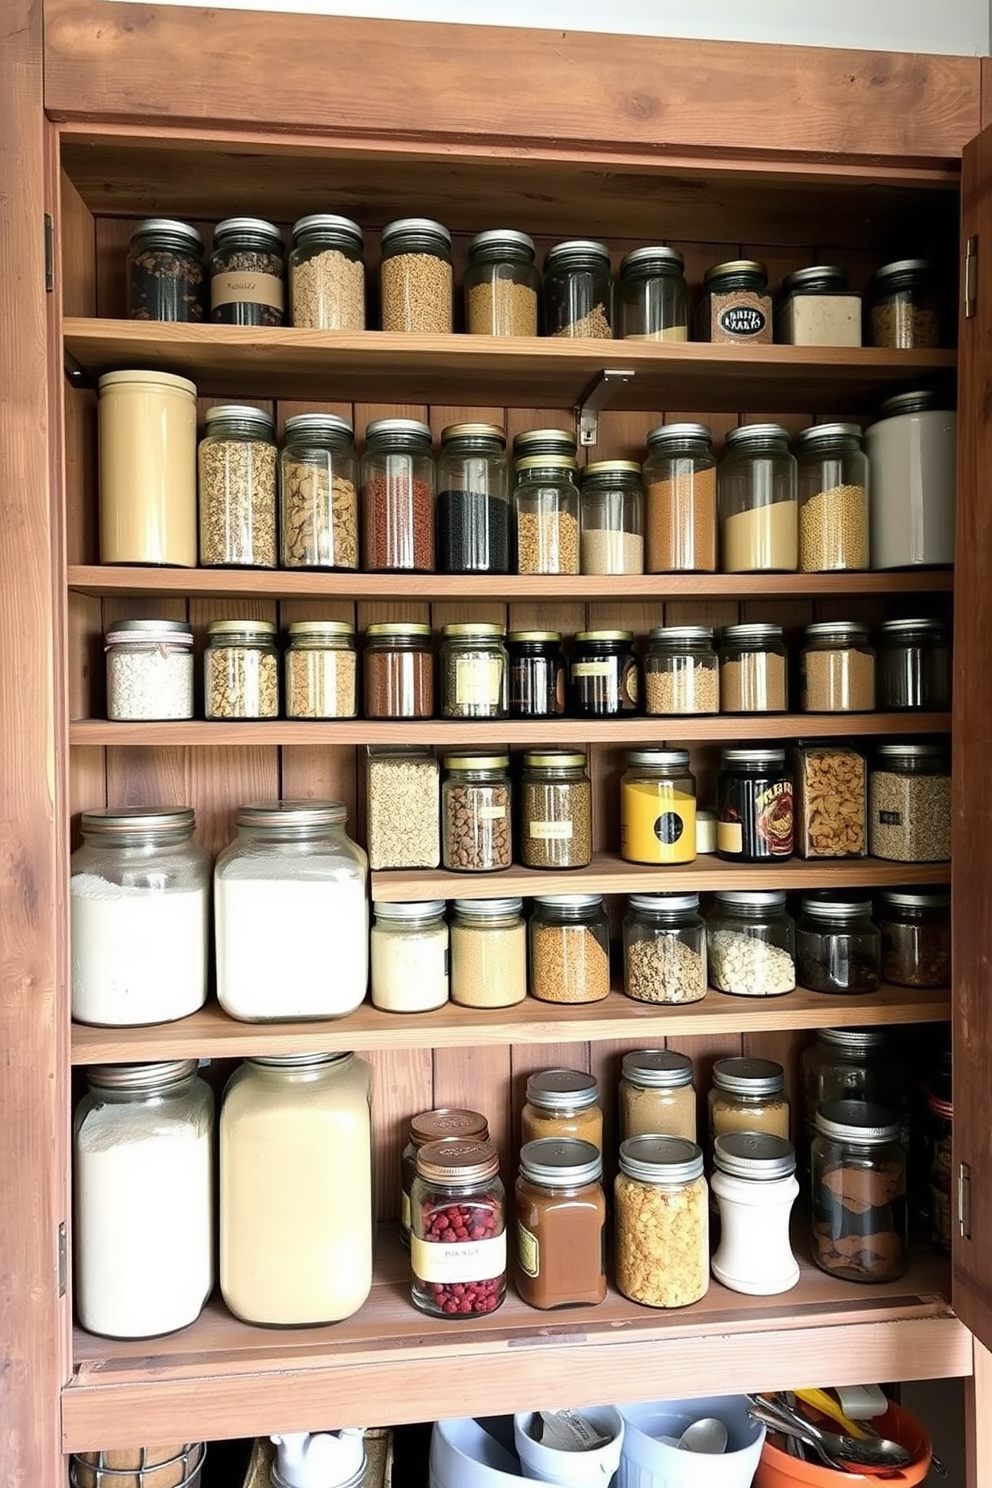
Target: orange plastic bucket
[{"x": 776, "y": 1469}]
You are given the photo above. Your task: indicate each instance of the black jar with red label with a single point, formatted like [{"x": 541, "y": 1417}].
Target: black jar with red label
[
  {"x": 604, "y": 674},
  {"x": 754, "y": 806}
]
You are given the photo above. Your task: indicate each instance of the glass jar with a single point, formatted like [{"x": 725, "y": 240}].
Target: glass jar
[
  {"x": 402, "y": 800},
  {"x": 143, "y": 1185},
  {"x": 658, "y": 807},
  {"x": 837, "y": 668},
  {"x": 558, "y": 442},
  {"x": 546, "y": 514},
  {"x": 754, "y": 671},
  {"x": 569, "y": 938},
  {"x": 838, "y": 949},
  {"x": 657, "y": 1096},
  {"x": 748, "y": 1095},
  {"x": 915, "y": 926},
  {"x": 817, "y": 308},
  {"x": 434, "y": 1126},
  {"x": 662, "y": 1222},
  {"x": 416, "y": 290},
  {"x": 751, "y": 943},
  {"x": 653, "y": 295},
  {"x": 501, "y": 284},
  {"x": 603, "y": 675},
  {"x": 830, "y": 788},
  {"x": 912, "y": 451},
  {"x": 853, "y": 1064},
  {"x": 914, "y": 665},
  {"x": 139, "y": 915},
  {"x": 562, "y": 1103},
  {"x": 664, "y": 948},
  {"x": 408, "y": 957},
  {"x": 237, "y": 462},
  {"x": 296, "y": 1203},
  {"x": 612, "y": 518},
  {"x": 326, "y": 273},
  {"x": 149, "y": 670},
  {"x": 247, "y": 273},
  {"x": 904, "y": 311},
  {"x": 476, "y": 813},
  {"x": 754, "y": 1187},
  {"x": 147, "y": 468},
  {"x": 318, "y": 493},
  {"x": 555, "y": 811},
  {"x": 458, "y": 1230},
  {"x": 561, "y": 1224},
  {"x": 320, "y": 677},
  {"x": 940, "y": 1167},
  {"x": 399, "y": 670},
  {"x": 833, "y": 498},
  {"x": 757, "y": 496},
  {"x": 680, "y": 671},
  {"x": 473, "y": 500},
  {"x": 578, "y": 290},
  {"x": 241, "y": 670},
  {"x": 488, "y": 953},
  {"x": 754, "y": 804},
  {"x": 398, "y": 496},
  {"x": 680, "y": 483},
  {"x": 537, "y": 674},
  {"x": 909, "y": 803},
  {"x": 166, "y": 274},
  {"x": 736, "y": 306},
  {"x": 474, "y": 671},
  {"x": 291, "y": 859},
  {"x": 860, "y": 1214}
]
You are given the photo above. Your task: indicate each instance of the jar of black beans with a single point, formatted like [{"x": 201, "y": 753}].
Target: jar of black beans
[{"x": 473, "y": 500}]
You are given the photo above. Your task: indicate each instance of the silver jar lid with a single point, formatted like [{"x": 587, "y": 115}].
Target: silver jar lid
[
  {"x": 497, "y": 237},
  {"x": 659, "y": 259},
  {"x": 562, "y": 1090},
  {"x": 486, "y": 909},
  {"x": 911, "y": 751},
  {"x": 167, "y": 632},
  {"x": 184, "y": 232},
  {"x": 254, "y": 630},
  {"x": 807, "y": 439},
  {"x": 750, "y": 634},
  {"x": 425, "y": 225},
  {"x": 569, "y": 901},
  {"x": 243, "y": 413},
  {"x": 386, "y": 426},
  {"x": 895, "y": 629},
  {"x": 657, "y": 1069},
  {"x": 771, "y": 758},
  {"x": 900, "y": 268},
  {"x": 673, "y": 757},
  {"x": 318, "y": 425},
  {"x": 423, "y": 909},
  {"x": 665, "y": 1160},
  {"x": 915, "y": 899},
  {"x": 922, "y": 400},
  {"x": 121, "y": 820},
  {"x": 858, "y": 1121},
  {"x": 853, "y": 1040},
  {"x": 560, "y": 1162},
  {"x": 329, "y": 222},
  {"x": 816, "y": 277},
  {"x": 758, "y": 1156},
  {"x": 547, "y": 441},
  {"x": 576, "y": 248},
  {"x": 321, "y": 630},
  {"x": 741, "y": 1075},
  {"x": 824, "y": 907},
  {"x": 140, "y": 1076},
  {"x": 677, "y": 634},
  {"x": 664, "y": 902},
  {"x": 257, "y": 226},
  {"x": 291, "y": 814},
  {"x": 298, "y": 1061},
  {"x": 848, "y": 629},
  {"x": 665, "y": 434},
  {"x": 747, "y": 435},
  {"x": 752, "y": 898}
]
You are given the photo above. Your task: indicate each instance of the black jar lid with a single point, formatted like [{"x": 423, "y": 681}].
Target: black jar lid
[
  {"x": 817, "y": 279},
  {"x": 170, "y": 233},
  {"x": 903, "y": 273},
  {"x": 642, "y": 262},
  {"x": 921, "y": 400},
  {"x": 736, "y": 273}
]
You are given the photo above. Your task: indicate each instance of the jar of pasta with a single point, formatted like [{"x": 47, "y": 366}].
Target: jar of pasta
[
  {"x": 318, "y": 491},
  {"x": 662, "y": 1222},
  {"x": 657, "y": 1096},
  {"x": 562, "y": 1103}
]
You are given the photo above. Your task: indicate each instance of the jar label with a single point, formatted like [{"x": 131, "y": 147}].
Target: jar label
[
  {"x": 491, "y": 813},
  {"x": 465, "y": 1260},
  {"x": 595, "y": 668},
  {"x": 890, "y": 818},
  {"x": 545, "y": 831},
  {"x": 729, "y": 837},
  {"x": 252, "y": 289},
  {"x": 741, "y": 320},
  {"x": 478, "y": 681},
  {"x": 528, "y": 1251},
  {"x": 773, "y": 818}
]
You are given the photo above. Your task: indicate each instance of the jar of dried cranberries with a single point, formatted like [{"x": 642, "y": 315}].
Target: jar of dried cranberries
[{"x": 458, "y": 1229}]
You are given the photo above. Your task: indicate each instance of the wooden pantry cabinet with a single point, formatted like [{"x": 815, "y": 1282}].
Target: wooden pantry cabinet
[{"x": 117, "y": 111}]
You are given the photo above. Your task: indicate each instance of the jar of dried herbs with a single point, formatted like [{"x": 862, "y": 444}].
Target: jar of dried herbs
[
  {"x": 247, "y": 273},
  {"x": 166, "y": 274},
  {"x": 474, "y": 671}
]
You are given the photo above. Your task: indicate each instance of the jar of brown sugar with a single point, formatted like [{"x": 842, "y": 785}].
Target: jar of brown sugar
[
  {"x": 561, "y": 1219},
  {"x": 748, "y": 1095},
  {"x": 399, "y": 670},
  {"x": 860, "y": 1213},
  {"x": 555, "y": 811},
  {"x": 837, "y": 668},
  {"x": 657, "y": 1095},
  {"x": 562, "y": 1103},
  {"x": 680, "y": 491},
  {"x": 398, "y": 496},
  {"x": 736, "y": 305}
]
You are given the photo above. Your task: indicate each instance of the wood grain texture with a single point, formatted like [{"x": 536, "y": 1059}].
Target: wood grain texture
[{"x": 978, "y": 1408}]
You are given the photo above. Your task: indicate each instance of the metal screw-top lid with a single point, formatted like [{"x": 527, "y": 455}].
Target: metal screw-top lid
[
  {"x": 599, "y": 636},
  {"x": 560, "y": 1162},
  {"x": 755, "y": 635},
  {"x": 553, "y": 636},
  {"x": 448, "y": 1121},
  {"x": 550, "y": 461},
  {"x": 425, "y": 225},
  {"x": 569, "y": 901},
  {"x": 292, "y": 814},
  {"x": 328, "y": 222},
  {"x": 140, "y": 1076},
  {"x": 850, "y": 630},
  {"x": 816, "y": 277},
  {"x": 476, "y": 761},
  {"x": 663, "y": 435},
  {"x": 562, "y": 1090},
  {"x": 915, "y": 899},
  {"x": 253, "y": 630},
  {"x": 320, "y": 630},
  {"x": 887, "y": 277},
  {"x": 487, "y": 909},
  {"x": 749, "y": 268},
  {"x": 858, "y": 1121},
  {"x": 257, "y": 226},
  {"x": 421, "y": 909},
  {"x": 664, "y": 903},
  {"x": 771, "y": 757},
  {"x": 299, "y": 1061},
  {"x": 657, "y": 1069},
  {"x": 544, "y": 441},
  {"x": 886, "y": 752},
  {"x": 755, "y": 1155},
  {"x": 677, "y": 634},
  {"x": 653, "y": 260},
  {"x": 498, "y": 237},
  {"x": 386, "y": 427},
  {"x": 576, "y": 248},
  {"x": 807, "y": 439},
  {"x": 457, "y": 1160},
  {"x": 553, "y": 759},
  {"x": 317, "y": 426},
  {"x": 853, "y": 1040},
  {"x": 242, "y": 413},
  {"x": 494, "y": 432},
  {"x": 922, "y": 400},
  {"x": 744, "y": 1076},
  {"x": 603, "y": 469},
  {"x": 665, "y": 1160},
  {"x": 752, "y": 898},
  {"x": 824, "y": 906},
  {"x": 672, "y": 757},
  {"x": 398, "y": 628},
  {"x": 748, "y": 435},
  {"x": 167, "y": 632},
  {"x": 120, "y": 820},
  {"x": 897, "y": 629},
  {"x": 480, "y": 629},
  {"x": 185, "y": 234}
]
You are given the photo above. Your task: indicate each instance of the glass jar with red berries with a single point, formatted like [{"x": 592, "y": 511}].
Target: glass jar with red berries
[{"x": 458, "y": 1234}]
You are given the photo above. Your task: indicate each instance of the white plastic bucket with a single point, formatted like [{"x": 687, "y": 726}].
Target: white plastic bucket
[
  {"x": 572, "y": 1469},
  {"x": 646, "y": 1462},
  {"x": 465, "y": 1455}
]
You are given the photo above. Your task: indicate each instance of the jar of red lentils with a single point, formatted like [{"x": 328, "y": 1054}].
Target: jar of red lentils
[
  {"x": 399, "y": 670},
  {"x": 398, "y": 496},
  {"x": 458, "y": 1229}
]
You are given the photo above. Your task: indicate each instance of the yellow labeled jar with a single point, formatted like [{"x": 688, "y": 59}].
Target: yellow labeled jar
[{"x": 658, "y": 807}]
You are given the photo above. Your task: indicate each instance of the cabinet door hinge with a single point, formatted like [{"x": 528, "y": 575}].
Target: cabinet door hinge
[
  {"x": 49, "y": 253},
  {"x": 964, "y": 1200},
  {"x": 970, "y": 277},
  {"x": 63, "y": 1260}
]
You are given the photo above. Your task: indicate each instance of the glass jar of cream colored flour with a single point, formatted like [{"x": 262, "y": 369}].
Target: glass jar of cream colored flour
[{"x": 409, "y": 957}]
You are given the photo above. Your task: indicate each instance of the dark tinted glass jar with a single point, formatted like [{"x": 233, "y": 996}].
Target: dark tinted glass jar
[
  {"x": 473, "y": 500},
  {"x": 247, "y": 273},
  {"x": 903, "y": 305},
  {"x": 914, "y": 665},
  {"x": 578, "y": 290},
  {"x": 754, "y": 806},
  {"x": 838, "y": 948},
  {"x": 604, "y": 676},
  {"x": 537, "y": 674},
  {"x": 166, "y": 275},
  {"x": 916, "y": 937}
]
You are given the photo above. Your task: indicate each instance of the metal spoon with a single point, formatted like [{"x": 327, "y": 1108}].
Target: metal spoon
[
  {"x": 708, "y": 1435},
  {"x": 834, "y": 1449}
]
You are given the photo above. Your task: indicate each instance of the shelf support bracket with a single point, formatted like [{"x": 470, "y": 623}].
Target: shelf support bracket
[{"x": 595, "y": 398}]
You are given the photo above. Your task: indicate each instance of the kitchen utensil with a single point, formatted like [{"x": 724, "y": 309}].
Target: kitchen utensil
[
  {"x": 834, "y": 1449},
  {"x": 708, "y": 1435}
]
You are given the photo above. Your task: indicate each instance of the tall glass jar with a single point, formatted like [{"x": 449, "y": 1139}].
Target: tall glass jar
[
  {"x": 833, "y": 498},
  {"x": 561, "y": 1224},
  {"x": 247, "y": 273},
  {"x": 399, "y": 670},
  {"x": 166, "y": 274},
  {"x": 321, "y": 670},
  {"x": 853, "y": 1064},
  {"x": 474, "y": 671},
  {"x": 296, "y": 1203},
  {"x": 569, "y": 948},
  {"x": 658, "y": 807},
  {"x": 408, "y": 957},
  {"x": 537, "y": 673},
  {"x": 736, "y": 306},
  {"x": 457, "y": 1229},
  {"x": 578, "y": 290},
  {"x": 562, "y": 1103},
  {"x": 755, "y": 1188},
  {"x": 838, "y": 948},
  {"x": 416, "y": 289},
  {"x": 664, "y": 948},
  {"x": 837, "y": 668},
  {"x": 860, "y": 1214},
  {"x": 654, "y": 298},
  {"x": 434, "y": 1126},
  {"x": 656, "y": 1094},
  {"x": 473, "y": 500},
  {"x": 488, "y": 953},
  {"x": 662, "y": 1222},
  {"x": 754, "y": 669},
  {"x": 398, "y": 496},
  {"x": 914, "y": 665},
  {"x": 748, "y": 1095},
  {"x": 476, "y": 813},
  {"x": 680, "y": 484},
  {"x": 555, "y": 811},
  {"x": 149, "y": 670},
  {"x": 758, "y": 501},
  {"x": 904, "y": 311},
  {"x": 909, "y": 803},
  {"x": 751, "y": 943},
  {"x": 612, "y": 518},
  {"x": 912, "y": 449},
  {"x": 289, "y": 860},
  {"x": 147, "y": 468},
  {"x": 546, "y": 514},
  {"x": 680, "y": 671},
  {"x": 318, "y": 491},
  {"x": 603, "y": 675},
  {"x": 501, "y": 284},
  {"x": 916, "y": 937},
  {"x": 237, "y": 477},
  {"x": 143, "y": 1183},
  {"x": 241, "y": 670},
  {"x": 326, "y": 273}
]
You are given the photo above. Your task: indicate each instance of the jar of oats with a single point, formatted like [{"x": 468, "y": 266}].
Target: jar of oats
[
  {"x": 326, "y": 273},
  {"x": 237, "y": 477},
  {"x": 657, "y": 1095},
  {"x": 318, "y": 493},
  {"x": 241, "y": 670},
  {"x": 662, "y": 1222},
  {"x": 320, "y": 670},
  {"x": 546, "y": 514}
]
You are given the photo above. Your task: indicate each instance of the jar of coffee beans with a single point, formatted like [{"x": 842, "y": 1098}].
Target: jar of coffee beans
[
  {"x": 165, "y": 271},
  {"x": 476, "y": 814},
  {"x": 416, "y": 277},
  {"x": 247, "y": 273}
]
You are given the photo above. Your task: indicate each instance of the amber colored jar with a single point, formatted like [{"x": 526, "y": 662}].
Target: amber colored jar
[
  {"x": 561, "y": 1219},
  {"x": 562, "y": 1103},
  {"x": 434, "y": 1126}
]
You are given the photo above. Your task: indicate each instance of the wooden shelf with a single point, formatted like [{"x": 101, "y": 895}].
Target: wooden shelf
[{"x": 378, "y": 366}]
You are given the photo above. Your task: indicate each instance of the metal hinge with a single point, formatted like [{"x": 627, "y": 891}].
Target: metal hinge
[
  {"x": 970, "y": 277},
  {"x": 49, "y": 253},
  {"x": 964, "y": 1200},
  {"x": 63, "y": 1260}
]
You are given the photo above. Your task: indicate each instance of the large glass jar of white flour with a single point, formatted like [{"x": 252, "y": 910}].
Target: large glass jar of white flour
[
  {"x": 291, "y": 914},
  {"x": 143, "y": 1179},
  {"x": 139, "y": 901}
]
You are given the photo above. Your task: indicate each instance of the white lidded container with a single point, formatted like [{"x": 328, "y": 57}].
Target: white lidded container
[
  {"x": 409, "y": 956},
  {"x": 911, "y": 451},
  {"x": 149, "y": 670},
  {"x": 755, "y": 1187}
]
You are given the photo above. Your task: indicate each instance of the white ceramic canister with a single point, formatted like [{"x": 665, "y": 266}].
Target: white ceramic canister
[
  {"x": 755, "y": 1188},
  {"x": 147, "y": 447},
  {"x": 911, "y": 454}
]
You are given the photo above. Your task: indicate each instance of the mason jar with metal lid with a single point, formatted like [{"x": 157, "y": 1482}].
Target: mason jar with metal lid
[
  {"x": 408, "y": 957},
  {"x": 555, "y": 810},
  {"x": 612, "y": 518},
  {"x": 457, "y": 1229},
  {"x": 562, "y": 1103},
  {"x": 664, "y": 948},
  {"x": 680, "y": 483},
  {"x": 318, "y": 486},
  {"x": 656, "y": 1094},
  {"x": 398, "y": 496},
  {"x": 578, "y": 290},
  {"x": 757, "y": 494},
  {"x": 658, "y": 807},
  {"x": 680, "y": 671},
  {"x": 327, "y": 274},
  {"x": 247, "y": 273},
  {"x": 488, "y": 953},
  {"x": 753, "y": 669},
  {"x": 434, "y": 1126},
  {"x": 147, "y": 468},
  {"x": 755, "y": 1187},
  {"x": 860, "y": 1214},
  {"x": 833, "y": 498},
  {"x": 238, "y": 476},
  {"x": 149, "y": 669},
  {"x": 751, "y": 943},
  {"x": 321, "y": 668},
  {"x": 603, "y": 674},
  {"x": 662, "y": 1222},
  {"x": 476, "y": 816},
  {"x": 860, "y": 1064},
  {"x": 736, "y": 305},
  {"x": 473, "y": 500},
  {"x": 241, "y": 670},
  {"x": 916, "y": 937},
  {"x": 416, "y": 286},
  {"x": 530, "y": 442},
  {"x": 754, "y": 805},
  {"x": 537, "y": 673},
  {"x": 653, "y": 296},
  {"x": 904, "y": 309},
  {"x": 569, "y": 937},
  {"x": 914, "y": 665},
  {"x": 912, "y": 449},
  {"x": 546, "y": 514},
  {"x": 817, "y": 308},
  {"x": 561, "y": 1224},
  {"x": 748, "y": 1095},
  {"x": 399, "y": 670},
  {"x": 474, "y": 671},
  {"x": 838, "y": 948},
  {"x": 166, "y": 274},
  {"x": 501, "y": 284},
  {"x": 909, "y": 803},
  {"x": 837, "y": 668}
]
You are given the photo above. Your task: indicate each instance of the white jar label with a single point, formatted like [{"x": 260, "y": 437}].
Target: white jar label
[
  {"x": 528, "y": 1251},
  {"x": 251, "y": 289},
  {"x": 478, "y": 681},
  {"x": 595, "y": 668},
  {"x": 545, "y": 831},
  {"x": 491, "y": 813},
  {"x": 466, "y": 1260}
]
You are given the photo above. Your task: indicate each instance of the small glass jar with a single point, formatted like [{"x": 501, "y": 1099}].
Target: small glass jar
[
  {"x": 241, "y": 670},
  {"x": 860, "y": 1214},
  {"x": 416, "y": 289},
  {"x": 555, "y": 811},
  {"x": 537, "y": 674},
  {"x": 476, "y": 814},
  {"x": 657, "y": 1096},
  {"x": 320, "y": 662},
  {"x": 754, "y": 669},
  {"x": 326, "y": 274},
  {"x": 488, "y": 953},
  {"x": 474, "y": 671},
  {"x": 558, "y": 442},
  {"x": 578, "y": 290},
  {"x": 757, "y": 496},
  {"x": 658, "y": 807},
  {"x": 501, "y": 284},
  {"x": 473, "y": 500},
  {"x": 915, "y": 925},
  {"x": 748, "y": 1095},
  {"x": 914, "y": 665},
  {"x": 237, "y": 461},
  {"x": 680, "y": 487},
  {"x": 736, "y": 306},
  {"x": 664, "y": 948},
  {"x": 680, "y": 671},
  {"x": 546, "y": 514},
  {"x": 653, "y": 296},
  {"x": 612, "y": 518},
  {"x": 398, "y": 496},
  {"x": 833, "y": 498},
  {"x": 754, "y": 806},
  {"x": 408, "y": 957},
  {"x": 561, "y": 1224},
  {"x": 603, "y": 674},
  {"x": 751, "y": 943},
  {"x": 247, "y": 273},
  {"x": 838, "y": 948},
  {"x": 939, "y": 1144},
  {"x": 909, "y": 803},
  {"x": 662, "y": 1222},
  {"x": 457, "y": 1230},
  {"x": 903, "y": 303},
  {"x": 817, "y": 308},
  {"x": 166, "y": 274},
  {"x": 399, "y": 670},
  {"x": 755, "y": 1187},
  {"x": 569, "y": 938},
  {"x": 837, "y": 668},
  {"x": 912, "y": 450},
  {"x": 149, "y": 670},
  {"x": 562, "y": 1103},
  {"x": 853, "y": 1064},
  {"x": 147, "y": 468},
  {"x": 318, "y": 493},
  {"x": 434, "y": 1126}
]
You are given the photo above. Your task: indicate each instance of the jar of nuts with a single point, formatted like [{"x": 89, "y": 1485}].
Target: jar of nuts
[
  {"x": 680, "y": 671},
  {"x": 318, "y": 488},
  {"x": 569, "y": 948},
  {"x": 546, "y": 513},
  {"x": 237, "y": 477},
  {"x": 416, "y": 277},
  {"x": 833, "y": 498},
  {"x": 555, "y": 811},
  {"x": 664, "y": 949},
  {"x": 320, "y": 670},
  {"x": 662, "y": 1222},
  {"x": 475, "y": 813},
  {"x": 241, "y": 670},
  {"x": 458, "y": 1229}
]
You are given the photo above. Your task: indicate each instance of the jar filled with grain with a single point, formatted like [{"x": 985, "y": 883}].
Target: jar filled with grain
[
  {"x": 612, "y": 518},
  {"x": 501, "y": 284},
  {"x": 558, "y": 442},
  {"x": 751, "y": 943},
  {"x": 546, "y": 514},
  {"x": 860, "y": 1214},
  {"x": 904, "y": 310},
  {"x": 914, "y": 665},
  {"x": 837, "y": 668},
  {"x": 327, "y": 274},
  {"x": 434, "y": 1126},
  {"x": 318, "y": 489},
  {"x": 399, "y": 670},
  {"x": 408, "y": 957},
  {"x": 833, "y": 498},
  {"x": 757, "y": 494},
  {"x": 662, "y": 1222},
  {"x": 537, "y": 673},
  {"x": 398, "y": 496},
  {"x": 555, "y": 810},
  {"x": 578, "y": 290},
  {"x": 476, "y": 813},
  {"x": 473, "y": 500},
  {"x": 654, "y": 298},
  {"x": 736, "y": 306},
  {"x": 166, "y": 275},
  {"x": 753, "y": 669},
  {"x": 755, "y": 806},
  {"x": 658, "y": 807},
  {"x": 147, "y": 468},
  {"x": 474, "y": 671},
  {"x": 680, "y": 671},
  {"x": 664, "y": 949},
  {"x": 748, "y": 1095},
  {"x": 909, "y": 803},
  {"x": 237, "y": 462},
  {"x": 149, "y": 670},
  {"x": 830, "y": 789},
  {"x": 416, "y": 277},
  {"x": 562, "y": 1103},
  {"x": 247, "y": 273},
  {"x": 818, "y": 308},
  {"x": 657, "y": 1095},
  {"x": 604, "y": 681},
  {"x": 912, "y": 448},
  {"x": 320, "y": 670},
  {"x": 488, "y": 953},
  {"x": 241, "y": 670},
  {"x": 916, "y": 937},
  {"x": 838, "y": 948},
  {"x": 402, "y": 822},
  {"x": 680, "y": 483},
  {"x": 569, "y": 948}
]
